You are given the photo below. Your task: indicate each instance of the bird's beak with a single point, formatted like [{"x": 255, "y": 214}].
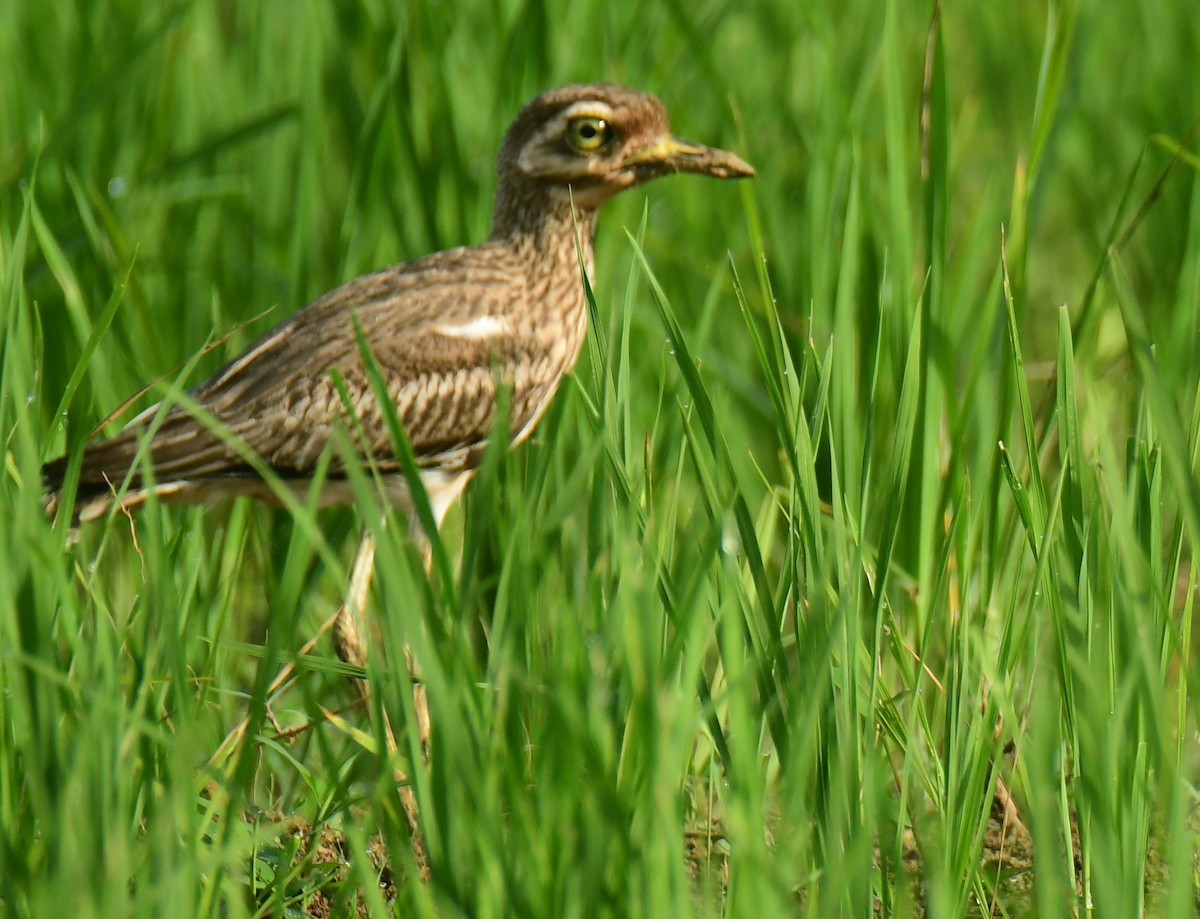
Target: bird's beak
[{"x": 670, "y": 154}]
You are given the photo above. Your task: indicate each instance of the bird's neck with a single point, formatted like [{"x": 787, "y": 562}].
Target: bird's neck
[
  {"x": 549, "y": 237},
  {"x": 549, "y": 229}
]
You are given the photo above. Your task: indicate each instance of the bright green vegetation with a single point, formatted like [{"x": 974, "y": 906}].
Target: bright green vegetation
[{"x": 874, "y": 491}]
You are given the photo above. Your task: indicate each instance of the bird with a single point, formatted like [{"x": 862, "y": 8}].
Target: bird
[{"x": 447, "y": 331}]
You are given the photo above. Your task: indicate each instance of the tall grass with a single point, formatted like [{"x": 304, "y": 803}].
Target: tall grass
[{"x": 872, "y": 500}]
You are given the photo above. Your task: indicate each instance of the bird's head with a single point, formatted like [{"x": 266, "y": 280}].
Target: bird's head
[{"x": 587, "y": 142}]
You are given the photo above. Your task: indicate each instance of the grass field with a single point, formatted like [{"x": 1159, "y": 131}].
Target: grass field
[{"x": 872, "y": 500}]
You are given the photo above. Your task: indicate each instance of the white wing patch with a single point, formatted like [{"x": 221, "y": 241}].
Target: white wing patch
[{"x": 477, "y": 329}]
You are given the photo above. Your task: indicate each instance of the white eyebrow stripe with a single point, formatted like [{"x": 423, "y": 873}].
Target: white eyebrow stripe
[
  {"x": 588, "y": 107},
  {"x": 476, "y": 329}
]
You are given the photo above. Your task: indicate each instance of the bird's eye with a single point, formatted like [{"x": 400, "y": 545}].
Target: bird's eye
[{"x": 588, "y": 134}]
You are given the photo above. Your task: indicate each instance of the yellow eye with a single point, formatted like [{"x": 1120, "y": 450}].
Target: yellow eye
[{"x": 587, "y": 134}]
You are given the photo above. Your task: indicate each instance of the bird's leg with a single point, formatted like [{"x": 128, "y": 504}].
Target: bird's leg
[
  {"x": 348, "y": 638},
  {"x": 350, "y": 642},
  {"x": 349, "y": 630},
  {"x": 443, "y": 490},
  {"x": 349, "y": 633},
  {"x": 420, "y": 702}
]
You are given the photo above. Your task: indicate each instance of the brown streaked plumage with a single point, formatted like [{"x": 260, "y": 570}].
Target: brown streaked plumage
[{"x": 442, "y": 328}]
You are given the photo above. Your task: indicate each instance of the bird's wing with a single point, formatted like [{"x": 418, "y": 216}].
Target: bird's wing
[{"x": 437, "y": 330}]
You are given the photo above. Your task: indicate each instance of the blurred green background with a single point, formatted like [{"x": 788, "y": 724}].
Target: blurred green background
[{"x": 765, "y": 620}]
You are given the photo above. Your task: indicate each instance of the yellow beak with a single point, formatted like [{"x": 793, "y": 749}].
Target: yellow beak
[{"x": 670, "y": 154}]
